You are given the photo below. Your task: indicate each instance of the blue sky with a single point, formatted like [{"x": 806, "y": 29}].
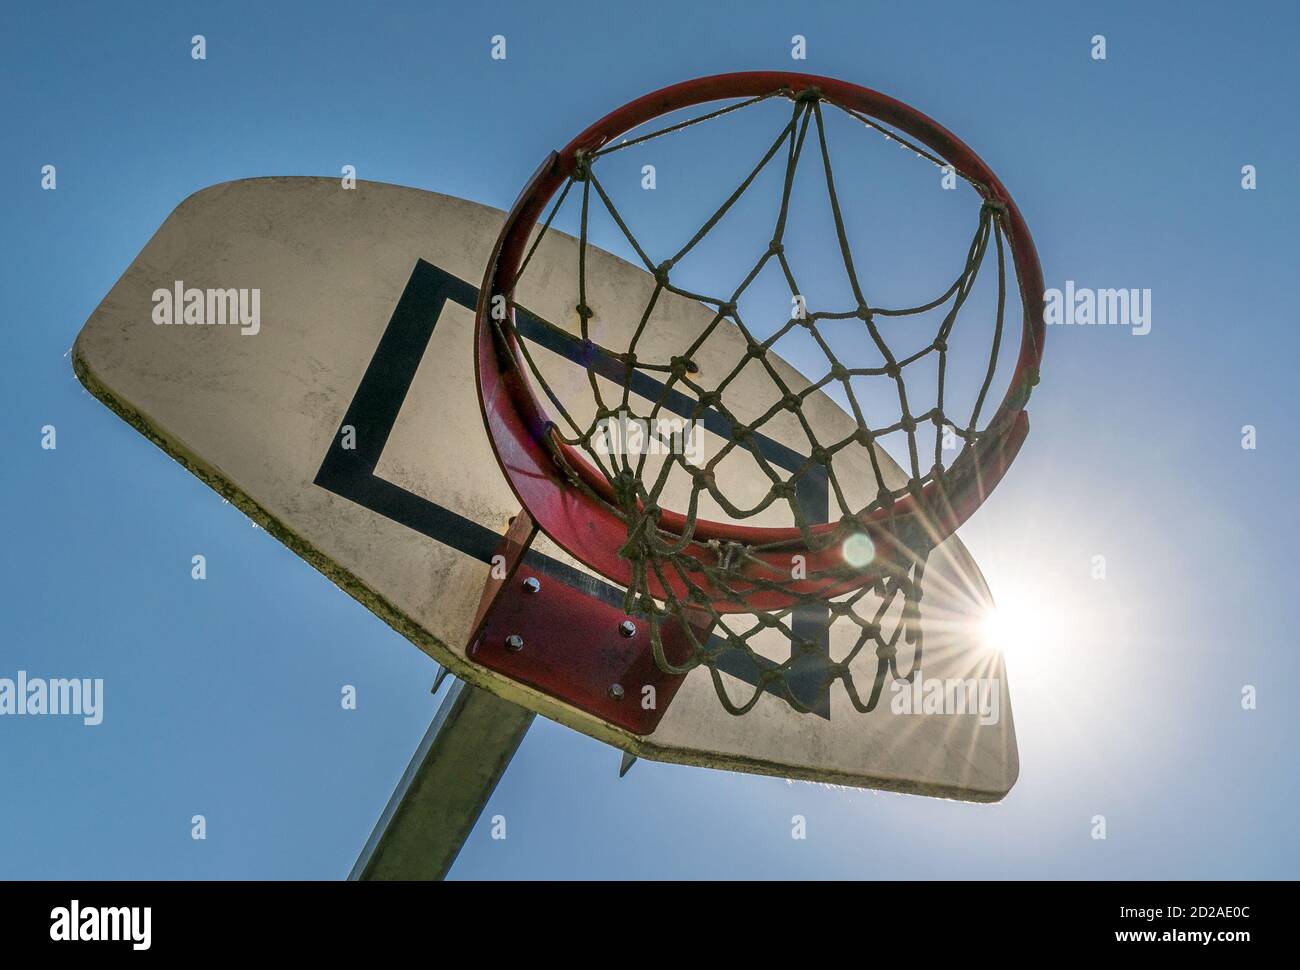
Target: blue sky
[{"x": 222, "y": 696}]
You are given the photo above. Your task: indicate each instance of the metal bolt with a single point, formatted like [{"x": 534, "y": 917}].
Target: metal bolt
[
  {"x": 514, "y": 643},
  {"x": 627, "y": 628},
  {"x": 531, "y": 585},
  {"x": 616, "y": 691}
]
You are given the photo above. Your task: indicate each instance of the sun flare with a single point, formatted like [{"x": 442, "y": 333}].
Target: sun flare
[{"x": 1021, "y": 631}]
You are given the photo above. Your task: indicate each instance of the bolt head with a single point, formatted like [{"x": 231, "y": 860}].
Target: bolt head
[
  {"x": 514, "y": 643},
  {"x": 627, "y": 628},
  {"x": 616, "y": 691},
  {"x": 532, "y": 585}
]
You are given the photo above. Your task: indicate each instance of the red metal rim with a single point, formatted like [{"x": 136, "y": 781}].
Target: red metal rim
[{"x": 588, "y": 528}]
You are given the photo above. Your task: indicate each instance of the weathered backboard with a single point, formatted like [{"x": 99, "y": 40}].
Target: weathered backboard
[{"x": 348, "y": 426}]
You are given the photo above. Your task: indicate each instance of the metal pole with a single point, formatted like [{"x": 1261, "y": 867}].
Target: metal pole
[{"x": 450, "y": 778}]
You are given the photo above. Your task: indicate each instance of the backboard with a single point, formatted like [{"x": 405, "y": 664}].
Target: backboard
[{"x": 342, "y": 416}]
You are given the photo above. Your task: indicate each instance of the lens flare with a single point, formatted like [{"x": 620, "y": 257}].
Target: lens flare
[{"x": 859, "y": 550}]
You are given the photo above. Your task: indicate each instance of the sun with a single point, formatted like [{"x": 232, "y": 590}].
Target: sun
[{"x": 1020, "y": 630}]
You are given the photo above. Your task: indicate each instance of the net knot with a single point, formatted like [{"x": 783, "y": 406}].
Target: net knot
[
  {"x": 581, "y": 167},
  {"x": 703, "y": 478},
  {"x": 624, "y": 486},
  {"x": 682, "y": 366},
  {"x": 729, "y": 554}
]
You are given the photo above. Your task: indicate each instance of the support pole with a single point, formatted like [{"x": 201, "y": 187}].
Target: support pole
[{"x": 452, "y": 775}]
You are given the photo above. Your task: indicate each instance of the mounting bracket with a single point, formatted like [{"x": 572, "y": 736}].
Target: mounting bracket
[{"x": 571, "y": 645}]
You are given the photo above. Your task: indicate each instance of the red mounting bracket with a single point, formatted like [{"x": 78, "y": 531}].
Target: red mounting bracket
[{"x": 541, "y": 631}]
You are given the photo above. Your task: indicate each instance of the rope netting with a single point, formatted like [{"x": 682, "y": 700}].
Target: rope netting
[{"x": 871, "y": 594}]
